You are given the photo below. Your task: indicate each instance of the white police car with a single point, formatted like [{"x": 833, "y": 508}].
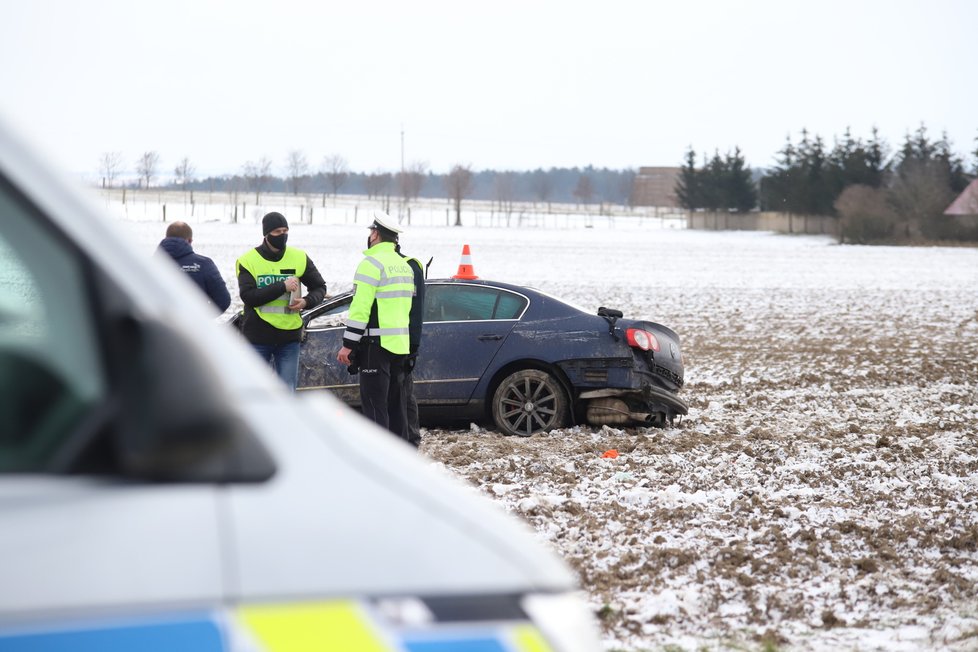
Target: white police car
[{"x": 160, "y": 490}]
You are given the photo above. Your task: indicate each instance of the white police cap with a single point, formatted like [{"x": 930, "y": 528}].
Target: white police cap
[{"x": 384, "y": 221}]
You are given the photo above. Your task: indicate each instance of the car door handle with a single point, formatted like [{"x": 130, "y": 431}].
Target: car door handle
[{"x": 489, "y": 336}]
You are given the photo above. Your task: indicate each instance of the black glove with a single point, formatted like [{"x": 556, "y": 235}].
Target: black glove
[
  {"x": 409, "y": 363},
  {"x": 354, "y": 367}
]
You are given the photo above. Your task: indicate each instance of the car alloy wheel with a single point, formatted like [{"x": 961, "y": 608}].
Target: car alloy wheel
[{"x": 529, "y": 401}]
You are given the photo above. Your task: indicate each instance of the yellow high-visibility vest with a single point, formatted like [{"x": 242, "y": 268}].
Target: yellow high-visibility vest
[
  {"x": 385, "y": 278},
  {"x": 266, "y": 272}
]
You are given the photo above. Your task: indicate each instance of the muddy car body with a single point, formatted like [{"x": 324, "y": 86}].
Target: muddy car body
[{"x": 517, "y": 357}]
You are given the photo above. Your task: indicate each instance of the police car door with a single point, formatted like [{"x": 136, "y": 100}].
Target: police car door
[
  {"x": 83, "y": 550},
  {"x": 464, "y": 327}
]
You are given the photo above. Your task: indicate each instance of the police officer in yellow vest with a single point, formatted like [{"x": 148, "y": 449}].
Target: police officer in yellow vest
[
  {"x": 378, "y": 328},
  {"x": 269, "y": 278}
]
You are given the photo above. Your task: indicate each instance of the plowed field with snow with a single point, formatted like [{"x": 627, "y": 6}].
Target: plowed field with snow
[{"x": 822, "y": 494}]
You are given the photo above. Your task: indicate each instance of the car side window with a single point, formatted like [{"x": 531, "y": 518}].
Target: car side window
[
  {"x": 470, "y": 303},
  {"x": 50, "y": 364},
  {"x": 510, "y": 306},
  {"x": 331, "y": 318}
]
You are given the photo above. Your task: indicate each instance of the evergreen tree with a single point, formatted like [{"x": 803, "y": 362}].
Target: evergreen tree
[
  {"x": 723, "y": 183},
  {"x": 974, "y": 167},
  {"x": 877, "y": 167},
  {"x": 815, "y": 186},
  {"x": 778, "y": 189},
  {"x": 807, "y": 180},
  {"x": 712, "y": 181},
  {"x": 952, "y": 165},
  {"x": 741, "y": 195},
  {"x": 852, "y": 162},
  {"x": 688, "y": 185}
]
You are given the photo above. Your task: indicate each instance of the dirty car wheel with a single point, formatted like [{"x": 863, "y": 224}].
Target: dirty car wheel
[{"x": 529, "y": 401}]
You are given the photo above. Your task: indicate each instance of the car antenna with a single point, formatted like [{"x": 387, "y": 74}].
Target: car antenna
[{"x": 427, "y": 266}]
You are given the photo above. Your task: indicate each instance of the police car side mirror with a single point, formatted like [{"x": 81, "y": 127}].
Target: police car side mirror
[{"x": 176, "y": 423}]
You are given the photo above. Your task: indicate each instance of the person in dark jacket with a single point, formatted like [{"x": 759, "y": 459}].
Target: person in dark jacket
[
  {"x": 417, "y": 318},
  {"x": 200, "y": 269},
  {"x": 269, "y": 279}
]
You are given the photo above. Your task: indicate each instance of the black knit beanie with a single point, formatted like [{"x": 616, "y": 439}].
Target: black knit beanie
[{"x": 272, "y": 221}]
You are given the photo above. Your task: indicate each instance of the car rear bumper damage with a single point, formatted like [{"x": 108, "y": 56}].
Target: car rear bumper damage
[{"x": 650, "y": 406}]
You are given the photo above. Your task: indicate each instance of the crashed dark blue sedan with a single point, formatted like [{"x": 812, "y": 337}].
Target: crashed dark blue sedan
[{"x": 517, "y": 357}]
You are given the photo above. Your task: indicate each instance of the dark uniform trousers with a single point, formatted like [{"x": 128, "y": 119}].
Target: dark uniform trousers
[
  {"x": 382, "y": 387},
  {"x": 413, "y": 421}
]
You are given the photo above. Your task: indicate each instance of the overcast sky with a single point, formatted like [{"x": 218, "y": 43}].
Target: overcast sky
[{"x": 496, "y": 85}]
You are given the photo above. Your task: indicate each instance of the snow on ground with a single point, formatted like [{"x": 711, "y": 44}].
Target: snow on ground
[{"x": 822, "y": 493}]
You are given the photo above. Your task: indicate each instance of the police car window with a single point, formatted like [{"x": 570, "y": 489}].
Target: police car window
[
  {"x": 470, "y": 303},
  {"x": 50, "y": 373}
]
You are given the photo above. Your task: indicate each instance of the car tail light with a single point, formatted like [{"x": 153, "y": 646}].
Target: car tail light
[{"x": 641, "y": 339}]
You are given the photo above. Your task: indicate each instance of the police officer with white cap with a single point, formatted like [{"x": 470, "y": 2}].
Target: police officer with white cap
[{"x": 377, "y": 337}]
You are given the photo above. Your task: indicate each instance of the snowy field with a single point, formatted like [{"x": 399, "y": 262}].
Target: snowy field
[{"x": 822, "y": 494}]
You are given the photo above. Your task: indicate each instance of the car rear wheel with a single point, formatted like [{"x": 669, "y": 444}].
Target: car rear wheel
[{"x": 529, "y": 401}]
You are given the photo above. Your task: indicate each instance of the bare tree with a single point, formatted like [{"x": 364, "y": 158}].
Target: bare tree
[
  {"x": 542, "y": 186},
  {"x": 377, "y": 184},
  {"x": 146, "y": 168},
  {"x": 184, "y": 172},
  {"x": 458, "y": 183},
  {"x": 233, "y": 186},
  {"x": 919, "y": 194},
  {"x": 584, "y": 190},
  {"x": 335, "y": 170},
  {"x": 625, "y": 186},
  {"x": 109, "y": 165},
  {"x": 257, "y": 175},
  {"x": 505, "y": 189},
  {"x": 371, "y": 185},
  {"x": 297, "y": 170},
  {"x": 411, "y": 180},
  {"x": 864, "y": 214}
]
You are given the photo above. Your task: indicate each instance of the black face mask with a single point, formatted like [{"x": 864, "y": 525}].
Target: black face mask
[{"x": 278, "y": 241}]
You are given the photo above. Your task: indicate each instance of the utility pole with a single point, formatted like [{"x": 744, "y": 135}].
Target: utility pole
[{"x": 403, "y": 181}]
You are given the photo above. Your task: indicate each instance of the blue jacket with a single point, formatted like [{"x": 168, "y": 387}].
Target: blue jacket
[{"x": 200, "y": 269}]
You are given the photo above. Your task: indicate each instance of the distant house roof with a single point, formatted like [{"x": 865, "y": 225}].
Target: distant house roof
[
  {"x": 966, "y": 203},
  {"x": 656, "y": 187}
]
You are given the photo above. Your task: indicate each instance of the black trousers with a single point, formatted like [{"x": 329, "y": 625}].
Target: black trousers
[
  {"x": 413, "y": 421},
  {"x": 382, "y": 388}
]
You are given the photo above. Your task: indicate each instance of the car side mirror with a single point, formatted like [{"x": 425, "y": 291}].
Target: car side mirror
[{"x": 176, "y": 421}]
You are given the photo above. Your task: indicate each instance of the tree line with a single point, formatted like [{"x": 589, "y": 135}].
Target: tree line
[
  {"x": 587, "y": 185},
  {"x": 875, "y": 195}
]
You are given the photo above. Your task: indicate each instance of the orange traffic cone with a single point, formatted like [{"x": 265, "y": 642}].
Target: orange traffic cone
[{"x": 465, "y": 270}]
